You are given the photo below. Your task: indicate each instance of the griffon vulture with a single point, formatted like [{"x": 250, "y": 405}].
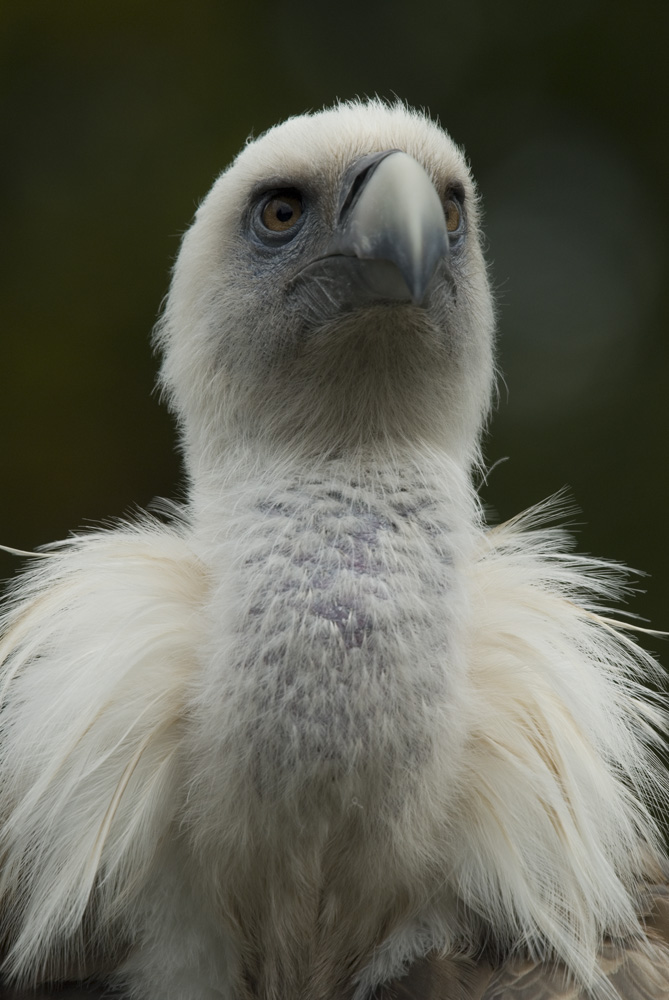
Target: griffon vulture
[{"x": 325, "y": 735}]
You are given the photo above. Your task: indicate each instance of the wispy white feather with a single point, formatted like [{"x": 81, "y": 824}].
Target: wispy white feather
[{"x": 97, "y": 653}]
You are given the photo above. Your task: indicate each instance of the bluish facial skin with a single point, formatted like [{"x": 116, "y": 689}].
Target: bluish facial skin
[{"x": 392, "y": 241}]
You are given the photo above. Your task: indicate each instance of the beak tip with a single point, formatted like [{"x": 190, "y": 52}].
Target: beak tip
[
  {"x": 418, "y": 291},
  {"x": 425, "y": 268}
]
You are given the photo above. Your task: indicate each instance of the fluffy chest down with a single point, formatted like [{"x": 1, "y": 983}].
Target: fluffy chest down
[{"x": 340, "y": 607}]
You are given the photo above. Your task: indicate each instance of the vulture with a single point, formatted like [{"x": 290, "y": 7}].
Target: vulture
[{"x": 320, "y": 732}]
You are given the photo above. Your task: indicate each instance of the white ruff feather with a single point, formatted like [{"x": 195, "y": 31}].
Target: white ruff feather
[
  {"x": 97, "y": 653},
  {"x": 547, "y": 837},
  {"x": 556, "y": 833}
]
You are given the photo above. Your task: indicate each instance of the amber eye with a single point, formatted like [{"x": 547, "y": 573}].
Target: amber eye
[
  {"x": 281, "y": 212},
  {"x": 453, "y": 215}
]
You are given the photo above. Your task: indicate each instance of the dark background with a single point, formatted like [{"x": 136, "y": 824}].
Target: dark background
[{"x": 117, "y": 116}]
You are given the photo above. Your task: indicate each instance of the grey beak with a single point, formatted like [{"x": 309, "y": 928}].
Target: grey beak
[{"x": 389, "y": 210}]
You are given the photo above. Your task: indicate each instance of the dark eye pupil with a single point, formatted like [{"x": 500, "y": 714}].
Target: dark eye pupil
[{"x": 284, "y": 211}]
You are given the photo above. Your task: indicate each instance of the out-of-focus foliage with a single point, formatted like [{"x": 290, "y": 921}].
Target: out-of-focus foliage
[{"x": 116, "y": 116}]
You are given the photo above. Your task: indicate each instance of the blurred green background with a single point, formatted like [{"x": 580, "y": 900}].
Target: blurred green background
[{"x": 117, "y": 116}]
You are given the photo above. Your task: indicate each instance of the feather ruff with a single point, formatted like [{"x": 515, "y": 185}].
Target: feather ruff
[{"x": 550, "y": 836}]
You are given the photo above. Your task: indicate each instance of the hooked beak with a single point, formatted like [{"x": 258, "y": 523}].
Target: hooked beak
[{"x": 391, "y": 218}]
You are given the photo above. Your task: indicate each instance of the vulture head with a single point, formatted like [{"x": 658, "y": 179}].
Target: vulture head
[{"x": 332, "y": 294}]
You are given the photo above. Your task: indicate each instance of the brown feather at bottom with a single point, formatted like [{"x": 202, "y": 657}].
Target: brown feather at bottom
[
  {"x": 437, "y": 977},
  {"x": 638, "y": 970}
]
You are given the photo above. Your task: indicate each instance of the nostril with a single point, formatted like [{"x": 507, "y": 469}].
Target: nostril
[
  {"x": 353, "y": 191},
  {"x": 355, "y": 177}
]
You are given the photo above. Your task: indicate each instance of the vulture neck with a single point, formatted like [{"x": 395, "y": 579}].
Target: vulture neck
[
  {"x": 340, "y": 590},
  {"x": 339, "y": 602}
]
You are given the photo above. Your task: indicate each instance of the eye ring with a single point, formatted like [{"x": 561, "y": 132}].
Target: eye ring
[
  {"x": 281, "y": 212},
  {"x": 454, "y": 215},
  {"x": 279, "y": 215}
]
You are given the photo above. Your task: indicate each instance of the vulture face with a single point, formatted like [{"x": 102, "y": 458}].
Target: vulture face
[{"x": 332, "y": 295}]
